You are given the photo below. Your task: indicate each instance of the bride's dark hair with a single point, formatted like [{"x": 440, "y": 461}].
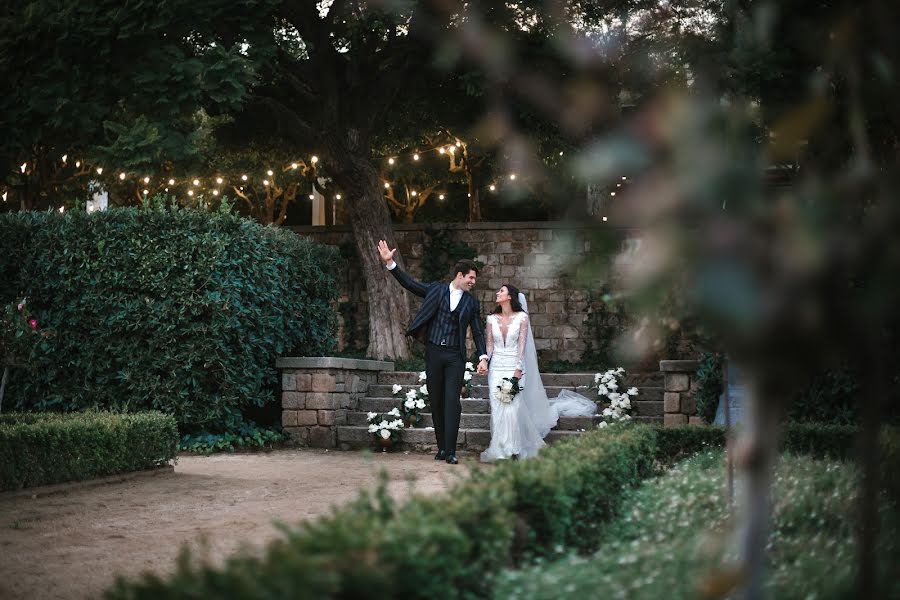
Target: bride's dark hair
[{"x": 513, "y": 299}]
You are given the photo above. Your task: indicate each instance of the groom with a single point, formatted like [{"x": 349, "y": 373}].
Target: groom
[{"x": 446, "y": 312}]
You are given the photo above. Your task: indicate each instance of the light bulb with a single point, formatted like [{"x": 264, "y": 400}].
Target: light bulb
[
  {"x": 146, "y": 192},
  {"x": 65, "y": 156},
  {"x": 4, "y": 196},
  {"x": 441, "y": 197},
  {"x": 190, "y": 192},
  {"x": 99, "y": 170},
  {"x": 269, "y": 172},
  {"x": 146, "y": 180},
  {"x": 605, "y": 219},
  {"x": 265, "y": 182},
  {"x": 77, "y": 164},
  {"x": 171, "y": 182},
  {"x": 390, "y": 161},
  {"x": 458, "y": 143},
  {"x": 243, "y": 178},
  {"x": 415, "y": 157},
  {"x": 122, "y": 176},
  {"x": 167, "y": 189},
  {"x": 441, "y": 151},
  {"x": 612, "y": 193},
  {"x": 215, "y": 192},
  {"x": 560, "y": 153},
  {"x": 624, "y": 178},
  {"x": 413, "y": 194},
  {"x": 219, "y": 180},
  {"x": 387, "y": 185},
  {"x": 62, "y": 209},
  {"x": 337, "y": 197},
  {"x": 196, "y": 182},
  {"x": 618, "y": 185},
  {"x": 314, "y": 159},
  {"x": 452, "y": 149},
  {"x": 493, "y": 187},
  {"x": 312, "y": 197},
  {"x": 294, "y": 165},
  {"x": 24, "y": 164},
  {"x": 512, "y": 177}
]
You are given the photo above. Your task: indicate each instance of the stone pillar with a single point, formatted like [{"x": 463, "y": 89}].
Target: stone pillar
[
  {"x": 318, "y": 392},
  {"x": 678, "y": 399}
]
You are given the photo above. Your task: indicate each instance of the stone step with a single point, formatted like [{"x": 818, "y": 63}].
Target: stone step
[
  {"x": 642, "y": 408},
  {"x": 352, "y": 436},
  {"x": 569, "y": 380},
  {"x": 481, "y": 391},
  {"x": 483, "y": 421}
]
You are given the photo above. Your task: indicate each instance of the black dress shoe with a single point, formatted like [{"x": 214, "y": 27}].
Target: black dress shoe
[
  {"x": 441, "y": 455},
  {"x": 451, "y": 459}
]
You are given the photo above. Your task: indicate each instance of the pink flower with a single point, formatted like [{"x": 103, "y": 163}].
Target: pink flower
[
  {"x": 21, "y": 306},
  {"x": 33, "y": 323}
]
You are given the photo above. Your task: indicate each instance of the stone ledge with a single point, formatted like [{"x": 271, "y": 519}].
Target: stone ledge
[
  {"x": 680, "y": 366},
  {"x": 332, "y": 362}
]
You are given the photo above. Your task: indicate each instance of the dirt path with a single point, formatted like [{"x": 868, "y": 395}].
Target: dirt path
[{"x": 73, "y": 544}]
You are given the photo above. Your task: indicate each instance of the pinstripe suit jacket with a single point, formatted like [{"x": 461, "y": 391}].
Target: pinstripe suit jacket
[{"x": 469, "y": 310}]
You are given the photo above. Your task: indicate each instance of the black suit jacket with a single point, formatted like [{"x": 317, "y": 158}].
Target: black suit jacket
[{"x": 469, "y": 310}]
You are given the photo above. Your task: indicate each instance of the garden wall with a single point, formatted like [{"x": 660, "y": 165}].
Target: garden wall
[{"x": 563, "y": 269}]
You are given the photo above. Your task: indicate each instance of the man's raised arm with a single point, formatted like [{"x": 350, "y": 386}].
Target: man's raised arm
[{"x": 387, "y": 257}]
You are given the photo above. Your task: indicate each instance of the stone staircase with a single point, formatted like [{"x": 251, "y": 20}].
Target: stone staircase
[{"x": 475, "y": 427}]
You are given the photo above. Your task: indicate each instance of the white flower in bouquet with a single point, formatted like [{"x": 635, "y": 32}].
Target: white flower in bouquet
[
  {"x": 396, "y": 424},
  {"x": 383, "y": 424},
  {"x": 596, "y": 377},
  {"x": 397, "y": 387},
  {"x": 467, "y": 376},
  {"x": 385, "y": 433},
  {"x": 602, "y": 391},
  {"x": 506, "y": 386},
  {"x": 410, "y": 403},
  {"x": 394, "y": 412},
  {"x": 602, "y": 424},
  {"x": 373, "y": 428},
  {"x": 422, "y": 376},
  {"x": 620, "y": 370},
  {"x": 371, "y": 415},
  {"x": 411, "y": 394},
  {"x": 612, "y": 385},
  {"x": 420, "y": 403},
  {"x": 470, "y": 366},
  {"x": 625, "y": 403},
  {"x": 423, "y": 390},
  {"x": 632, "y": 391}
]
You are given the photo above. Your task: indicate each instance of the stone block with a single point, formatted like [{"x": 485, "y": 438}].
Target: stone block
[
  {"x": 674, "y": 419},
  {"x": 695, "y": 420},
  {"x": 306, "y": 417},
  {"x": 321, "y": 401},
  {"x": 288, "y": 382},
  {"x": 289, "y": 418},
  {"x": 304, "y": 382},
  {"x": 677, "y": 382},
  {"x": 293, "y": 400},
  {"x": 688, "y": 404},
  {"x": 328, "y": 418},
  {"x": 297, "y": 435},
  {"x": 323, "y": 382},
  {"x": 322, "y": 437},
  {"x": 672, "y": 402}
]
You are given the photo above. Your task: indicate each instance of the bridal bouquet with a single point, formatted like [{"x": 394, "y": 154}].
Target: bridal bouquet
[
  {"x": 468, "y": 374},
  {"x": 508, "y": 389},
  {"x": 385, "y": 426},
  {"x": 413, "y": 400},
  {"x": 608, "y": 385}
]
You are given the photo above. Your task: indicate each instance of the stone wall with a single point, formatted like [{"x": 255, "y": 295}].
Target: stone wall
[
  {"x": 317, "y": 393},
  {"x": 562, "y": 268},
  {"x": 678, "y": 398}
]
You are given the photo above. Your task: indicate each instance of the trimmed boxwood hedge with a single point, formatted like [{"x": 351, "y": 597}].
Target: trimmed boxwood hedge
[
  {"x": 453, "y": 545},
  {"x": 43, "y": 448},
  {"x": 177, "y": 310}
]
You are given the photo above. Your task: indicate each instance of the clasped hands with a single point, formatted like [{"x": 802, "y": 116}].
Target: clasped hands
[{"x": 482, "y": 367}]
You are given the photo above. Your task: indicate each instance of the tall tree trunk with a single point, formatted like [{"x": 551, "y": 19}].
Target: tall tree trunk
[
  {"x": 371, "y": 222},
  {"x": 472, "y": 178}
]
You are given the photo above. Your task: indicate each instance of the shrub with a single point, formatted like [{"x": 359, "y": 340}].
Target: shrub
[
  {"x": 176, "y": 310},
  {"x": 709, "y": 385},
  {"x": 448, "y": 547},
  {"x": 39, "y": 449}
]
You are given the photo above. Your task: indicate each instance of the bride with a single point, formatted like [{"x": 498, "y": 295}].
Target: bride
[{"x": 518, "y": 428}]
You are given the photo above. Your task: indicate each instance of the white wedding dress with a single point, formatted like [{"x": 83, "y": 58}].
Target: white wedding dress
[{"x": 519, "y": 427}]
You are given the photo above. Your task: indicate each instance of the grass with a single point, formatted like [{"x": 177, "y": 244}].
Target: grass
[{"x": 675, "y": 539}]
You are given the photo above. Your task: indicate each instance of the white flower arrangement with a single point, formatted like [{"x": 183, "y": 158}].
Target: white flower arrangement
[
  {"x": 608, "y": 385},
  {"x": 385, "y": 426},
  {"x": 508, "y": 389},
  {"x": 412, "y": 401},
  {"x": 468, "y": 374}
]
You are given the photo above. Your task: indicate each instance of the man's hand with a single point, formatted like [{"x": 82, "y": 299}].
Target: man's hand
[
  {"x": 482, "y": 367},
  {"x": 387, "y": 255}
]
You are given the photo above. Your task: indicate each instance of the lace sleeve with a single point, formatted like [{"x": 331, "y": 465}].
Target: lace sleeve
[
  {"x": 523, "y": 337},
  {"x": 489, "y": 338}
]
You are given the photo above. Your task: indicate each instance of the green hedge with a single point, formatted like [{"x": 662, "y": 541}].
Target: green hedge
[
  {"x": 440, "y": 547},
  {"x": 177, "y": 310},
  {"x": 44, "y": 448}
]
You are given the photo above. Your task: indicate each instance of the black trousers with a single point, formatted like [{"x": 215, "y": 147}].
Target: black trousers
[{"x": 444, "y": 367}]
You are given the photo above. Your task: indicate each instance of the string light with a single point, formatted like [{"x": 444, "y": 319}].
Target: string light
[
  {"x": 215, "y": 192},
  {"x": 4, "y": 196},
  {"x": 612, "y": 193},
  {"x": 190, "y": 192},
  {"x": 294, "y": 165},
  {"x": 269, "y": 173},
  {"x": 171, "y": 182},
  {"x": 605, "y": 219},
  {"x": 493, "y": 187},
  {"x": 458, "y": 143},
  {"x": 65, "y": 156},
  {"x": 146, "y": 180},
  {"x": 441, "y": 197},
  {"x": 441, "y": 150},
  {"x": 265, "y": 182},
  {"x": 77, "y": 164},
  {"x": 312, "y": 197},
  {"x": 196, "y": 182},
  {"x": 243, "y": 178},
  {"x": 413, "y": 194},
  {"x": 624, "y": 178},
  {"x": 219, "y": 180},
  {"x": 122, "y": 176},
  {"x": 99, "y": 170},
  {"x": 415, "y": 157},
  {"x": 387, "y": 186},
  {"x": 452, "y": 149},
  {"x": 314, "y": 159},
  {"x": 390, "y": 161},
  {"x": 24, "y": 164},
  {"x": 146, "y": 192},
  {"x": 512, "y": 177},
  {"x": 337, "y": 197},
  {"x": 560, "y": 153}
]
